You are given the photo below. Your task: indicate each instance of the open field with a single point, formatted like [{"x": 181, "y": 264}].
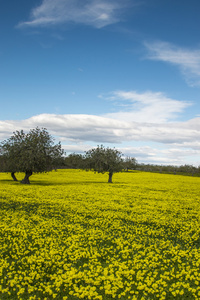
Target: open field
[{"x": 71, "y": 235}]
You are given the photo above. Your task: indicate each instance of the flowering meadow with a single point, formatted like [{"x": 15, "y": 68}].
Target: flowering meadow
[{"x": 71, "y": 235}]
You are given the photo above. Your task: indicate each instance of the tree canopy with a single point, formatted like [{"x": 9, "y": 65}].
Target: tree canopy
[
  {"x": 104, "y": 160},
  {"x": 30, "y": 152}
]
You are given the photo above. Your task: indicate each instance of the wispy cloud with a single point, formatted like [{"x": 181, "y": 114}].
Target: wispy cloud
[
  {"x": 97, "y": 13},
  {"x": 187, "y": 60},
  {"x": 155, "y": 107}
]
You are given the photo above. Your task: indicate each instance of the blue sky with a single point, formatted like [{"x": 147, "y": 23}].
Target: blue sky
[{"x": 124, "y": 74}]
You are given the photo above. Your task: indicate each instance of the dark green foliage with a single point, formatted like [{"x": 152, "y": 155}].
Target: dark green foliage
[
  {"x": 30, "y": 152},
  {"x": 170, "y": 169},
  {"x": 104, "y": 160},
  {"x": 74, "y": 161}
]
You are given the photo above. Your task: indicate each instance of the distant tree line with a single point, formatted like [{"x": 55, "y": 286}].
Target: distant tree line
[
  {"x": 80, "y": 161},
  {"x": 77, "y": 161},
  {"x": 170, "y": 169}
]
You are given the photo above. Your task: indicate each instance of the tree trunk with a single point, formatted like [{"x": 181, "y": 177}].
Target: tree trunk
[
  {"x": 13, "y": 176},
  {"x": 110, "y": 177},
  {"x": 26, "y": 178}
]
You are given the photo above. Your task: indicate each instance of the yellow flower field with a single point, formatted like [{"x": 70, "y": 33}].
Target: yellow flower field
[{"x": 71, "y": 235}]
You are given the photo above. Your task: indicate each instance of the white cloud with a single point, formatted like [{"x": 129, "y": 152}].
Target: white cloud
[
  {"x": 187, "y": 60},
  {"x": 97, "y": 13},
  {"x": 166, "y": 156},
  {"x": 175, "y": 143},
  {"x": 145, "y": 120},
  {"x": 140, "y": 107},
  {"x": 83, "y": 128},
  {"x": 76, "y": 148}
]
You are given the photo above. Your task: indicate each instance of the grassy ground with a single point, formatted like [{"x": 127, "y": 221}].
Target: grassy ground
[{"x": 71, "y": 235}]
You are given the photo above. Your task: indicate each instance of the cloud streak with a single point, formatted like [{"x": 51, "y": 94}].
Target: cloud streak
[
  {"x": 186, "y": 59},
  {"x": 155, "y": 107},
  {"x": 96, "y": 13}
]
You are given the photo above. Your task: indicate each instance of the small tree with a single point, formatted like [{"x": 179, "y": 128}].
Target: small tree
[
  {"x": 29, "y": 153},
  {"x": 104, "y": 160},
  {"x": 129, "y": 163}
]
